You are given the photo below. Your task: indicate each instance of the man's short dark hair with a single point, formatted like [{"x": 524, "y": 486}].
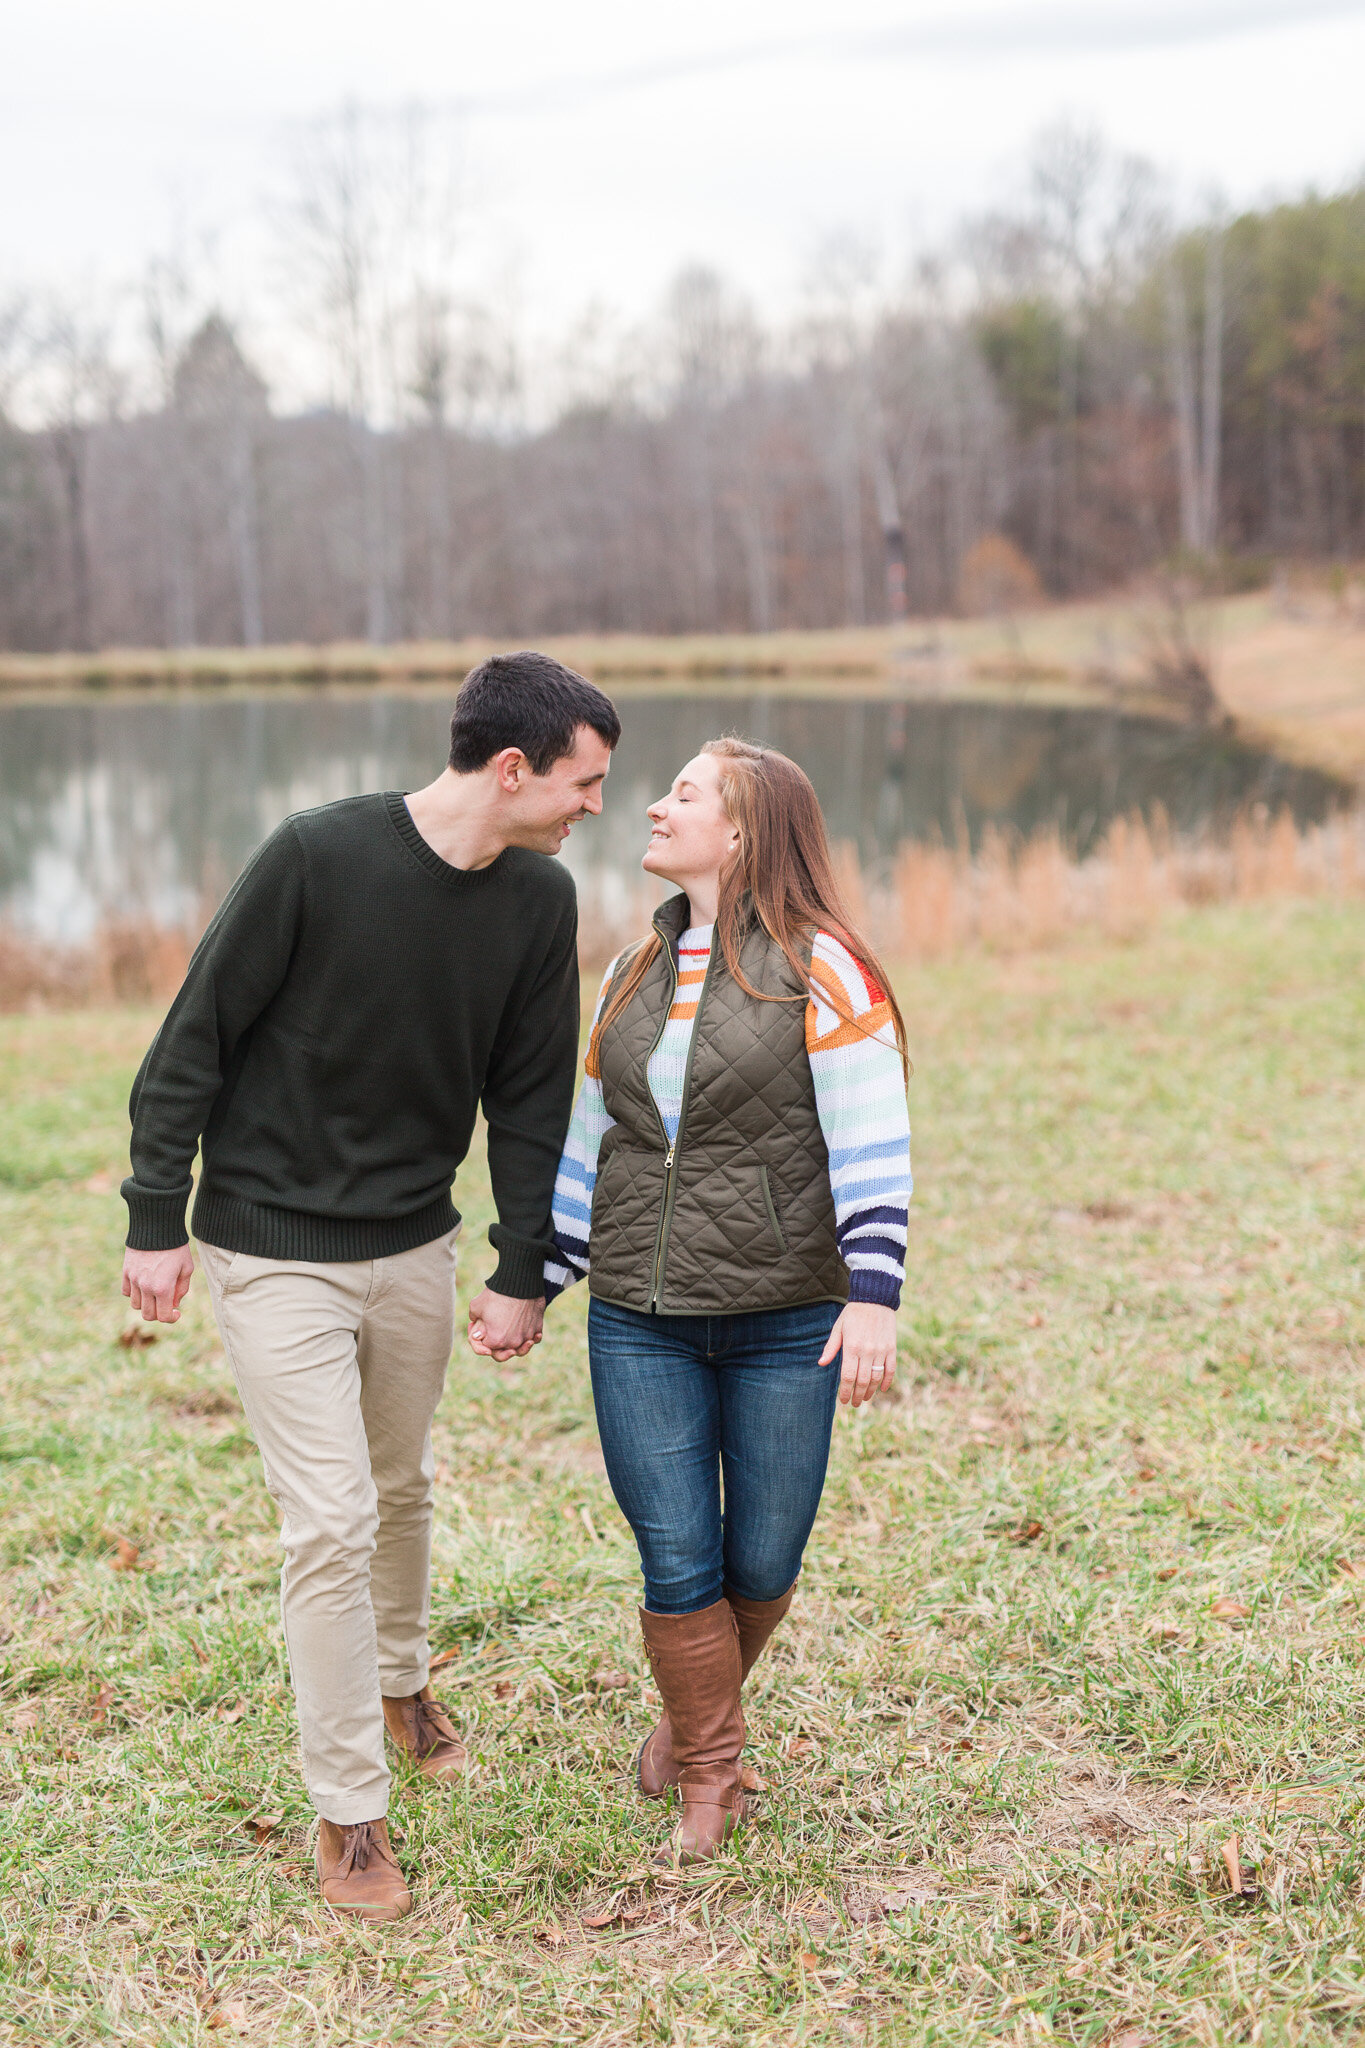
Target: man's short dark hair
[{"x": 530, "y": 701}]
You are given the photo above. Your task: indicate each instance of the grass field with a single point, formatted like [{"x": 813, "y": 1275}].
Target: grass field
[{"x": 1080, "y": 1639}]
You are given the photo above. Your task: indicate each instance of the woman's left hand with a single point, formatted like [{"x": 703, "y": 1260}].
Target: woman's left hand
[{"x": 866, "y": 1334}]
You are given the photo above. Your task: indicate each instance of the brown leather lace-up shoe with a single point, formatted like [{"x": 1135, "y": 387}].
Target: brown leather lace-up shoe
[
  {"x": 696, "y": 1664},
  {"x": 420, "y": 1726},
  {"x": 656, "y": 1770},
  {"x": 359, "y": 1870}
]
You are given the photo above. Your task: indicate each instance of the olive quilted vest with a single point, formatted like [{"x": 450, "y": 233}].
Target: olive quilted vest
[{"x": 738, "y": 1214}]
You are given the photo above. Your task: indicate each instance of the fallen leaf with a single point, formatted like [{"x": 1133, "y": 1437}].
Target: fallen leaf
[
  {"x": 504, "y": 1689},
  {"x": 1226, "y": 1609},
  {"x": 603, "y": 1919},
  {"x": 439, "y": 1662},
  {"x": 1233, "y": 1863},
  {"x": 1166, "y": 1633},
  {"x": 1168, "y": 1573},
  {"x": 1036, "y": 1320},
  {"x": 609, "y": 1681},
  {"x": 800, "y": 1745},
  {"x": 552, "y": 1936},
  {"x": 99, "y": 1706},
  {"x": 919, "y": 1893},
  {"x": 630, "y": 1914},
  {"x": 751, "y": 1780},
  {"x": 261, "y": 1826},
  {"x": 1146, "y": 1472},
  {"x": 809, "y": 1961},
  {"x": 1028, "y": 1532},
  {"x": 126, "y": 1554},
  {"x": 137, "y": 1337},
  {"x": 1351, "y": 1568},
  {"x": 231, "y": 2014},
  {"x": 233, "y": 1713}
]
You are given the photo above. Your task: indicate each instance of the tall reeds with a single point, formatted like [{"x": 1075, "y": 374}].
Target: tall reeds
[{"x": 1012, "y": 895}]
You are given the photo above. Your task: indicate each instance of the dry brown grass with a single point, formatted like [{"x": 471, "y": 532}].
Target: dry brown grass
[
  {"x": 931, "y": 902},
  {"x": 1025, "y": 895},
  {"x": 129, "y": 960}
]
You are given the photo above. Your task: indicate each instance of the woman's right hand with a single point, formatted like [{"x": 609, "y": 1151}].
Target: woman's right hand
[{"x": 866, "y": 1334}]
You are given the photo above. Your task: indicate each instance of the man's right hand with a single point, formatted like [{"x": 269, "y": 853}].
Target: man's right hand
[
  {"x": 502, "y": 1327},
  {"x": 157, "y": 1282}
]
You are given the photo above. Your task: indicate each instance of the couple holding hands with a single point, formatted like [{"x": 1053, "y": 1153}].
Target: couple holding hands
[{"x": 732, "y": 1183}]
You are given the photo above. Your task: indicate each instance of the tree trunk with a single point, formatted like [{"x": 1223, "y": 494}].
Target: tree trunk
[
  {"x": 893, "y": 534},
  {"x": 245, "y": 528},
  {"x": 1213, "y": 392},
  {"x": 70, "y": 447},
  {"x": 1182, "y": 394}
]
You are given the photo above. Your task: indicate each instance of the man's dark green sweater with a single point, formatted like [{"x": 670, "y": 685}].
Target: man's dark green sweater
[{"x": 351, "y": 1005}]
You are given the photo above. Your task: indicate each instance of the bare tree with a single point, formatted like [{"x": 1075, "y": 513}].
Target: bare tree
[
  {"x": 370, "y": 228},
  {"x": 222, "y": 405},
  {"x": 73, "y": 389}
]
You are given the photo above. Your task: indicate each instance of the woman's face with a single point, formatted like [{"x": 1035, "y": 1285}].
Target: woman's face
[{"x": 693, "y": 835}]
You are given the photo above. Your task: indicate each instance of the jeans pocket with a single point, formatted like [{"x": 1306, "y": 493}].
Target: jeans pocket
[{"x": 770, "y": 1208}]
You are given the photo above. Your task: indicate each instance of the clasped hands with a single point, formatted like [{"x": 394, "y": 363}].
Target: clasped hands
[{"x": 502, "y": 1327}]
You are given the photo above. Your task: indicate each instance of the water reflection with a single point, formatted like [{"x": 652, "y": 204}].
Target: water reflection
[{"x": 152, "y": 805}]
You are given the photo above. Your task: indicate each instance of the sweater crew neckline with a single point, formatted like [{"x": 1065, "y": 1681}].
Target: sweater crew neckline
[{"x": 401, "y": 818}]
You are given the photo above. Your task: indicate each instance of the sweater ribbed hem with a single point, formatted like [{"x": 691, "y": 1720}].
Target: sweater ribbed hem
[
  {"x": 156, "y": 1219},
  {"x": 263, "y": 1232},
  {"x": 521, "y": 1265},
  {"x": 873, "y": 1286}
]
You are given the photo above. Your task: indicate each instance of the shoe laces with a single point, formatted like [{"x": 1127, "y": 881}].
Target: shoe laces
[
  {"x": 429, "y": 1718},
  {"x": 361, "y": 1843}
]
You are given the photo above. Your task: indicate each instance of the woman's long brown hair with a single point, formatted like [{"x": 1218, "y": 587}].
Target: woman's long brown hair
[{"x": 781, "y": 873}]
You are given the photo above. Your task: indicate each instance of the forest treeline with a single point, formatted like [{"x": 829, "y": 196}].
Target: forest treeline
[{"x": 1075, "y": 391}]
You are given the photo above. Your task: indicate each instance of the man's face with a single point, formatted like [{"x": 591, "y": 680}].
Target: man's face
[{"x": 547, "y": 805}]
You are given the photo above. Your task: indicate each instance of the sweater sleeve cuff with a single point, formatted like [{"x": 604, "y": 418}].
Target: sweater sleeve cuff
[
  {"x": 156, "y": 1217},
  {"x": 521, "y": 1265},
  {"x": 866, "y": 1284}
]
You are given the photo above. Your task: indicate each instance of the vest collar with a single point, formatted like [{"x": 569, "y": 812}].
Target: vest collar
[{"x": 672, "y": 919}]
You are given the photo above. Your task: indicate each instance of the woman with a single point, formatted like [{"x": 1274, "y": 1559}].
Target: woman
[{"x": 735, "y": 1186}]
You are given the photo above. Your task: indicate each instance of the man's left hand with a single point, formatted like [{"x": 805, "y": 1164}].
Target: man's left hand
[{"x": 502, "y": 1327}]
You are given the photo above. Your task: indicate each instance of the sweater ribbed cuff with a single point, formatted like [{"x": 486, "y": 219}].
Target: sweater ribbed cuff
[
  {"x": 156, "y": 1217},
  {"x": 866, "y": 1284},
  {"x": 521, "y": 1265}
]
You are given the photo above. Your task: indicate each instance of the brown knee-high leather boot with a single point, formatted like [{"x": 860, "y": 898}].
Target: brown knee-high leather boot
[
  {"x": 696, "y": 1664},
  {"x": 655, "y": 1768}
]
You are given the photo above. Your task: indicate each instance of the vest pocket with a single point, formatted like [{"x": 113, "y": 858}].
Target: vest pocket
[{"x": 770, "y": 1205}]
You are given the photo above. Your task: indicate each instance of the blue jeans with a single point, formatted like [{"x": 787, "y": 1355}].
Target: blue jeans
[{"x": 683, "y": 1401}]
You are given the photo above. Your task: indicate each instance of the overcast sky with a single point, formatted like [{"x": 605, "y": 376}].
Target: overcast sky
[{"x": 607, "y": 143}]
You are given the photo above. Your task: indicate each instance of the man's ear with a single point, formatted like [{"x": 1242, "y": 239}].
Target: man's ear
[{"x": 511, "y": 768}]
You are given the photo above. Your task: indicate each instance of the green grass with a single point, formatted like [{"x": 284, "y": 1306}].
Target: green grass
[{"x": 1006, "y": 1738}]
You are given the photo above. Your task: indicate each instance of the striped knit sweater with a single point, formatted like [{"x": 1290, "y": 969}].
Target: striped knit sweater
[{"x": 859, "y": 1097}]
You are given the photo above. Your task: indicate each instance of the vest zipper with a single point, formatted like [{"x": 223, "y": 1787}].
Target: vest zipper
[{"x": 670, "y": 1184}]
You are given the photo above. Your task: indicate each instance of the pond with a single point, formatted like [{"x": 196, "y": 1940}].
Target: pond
[{"x": 150, "y": 805}]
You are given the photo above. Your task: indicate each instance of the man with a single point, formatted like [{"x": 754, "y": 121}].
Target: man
[{"x": 382, "y": 967}]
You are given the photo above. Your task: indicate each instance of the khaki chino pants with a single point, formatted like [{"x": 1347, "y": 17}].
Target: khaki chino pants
[{"x": 340, "y": 1367}]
